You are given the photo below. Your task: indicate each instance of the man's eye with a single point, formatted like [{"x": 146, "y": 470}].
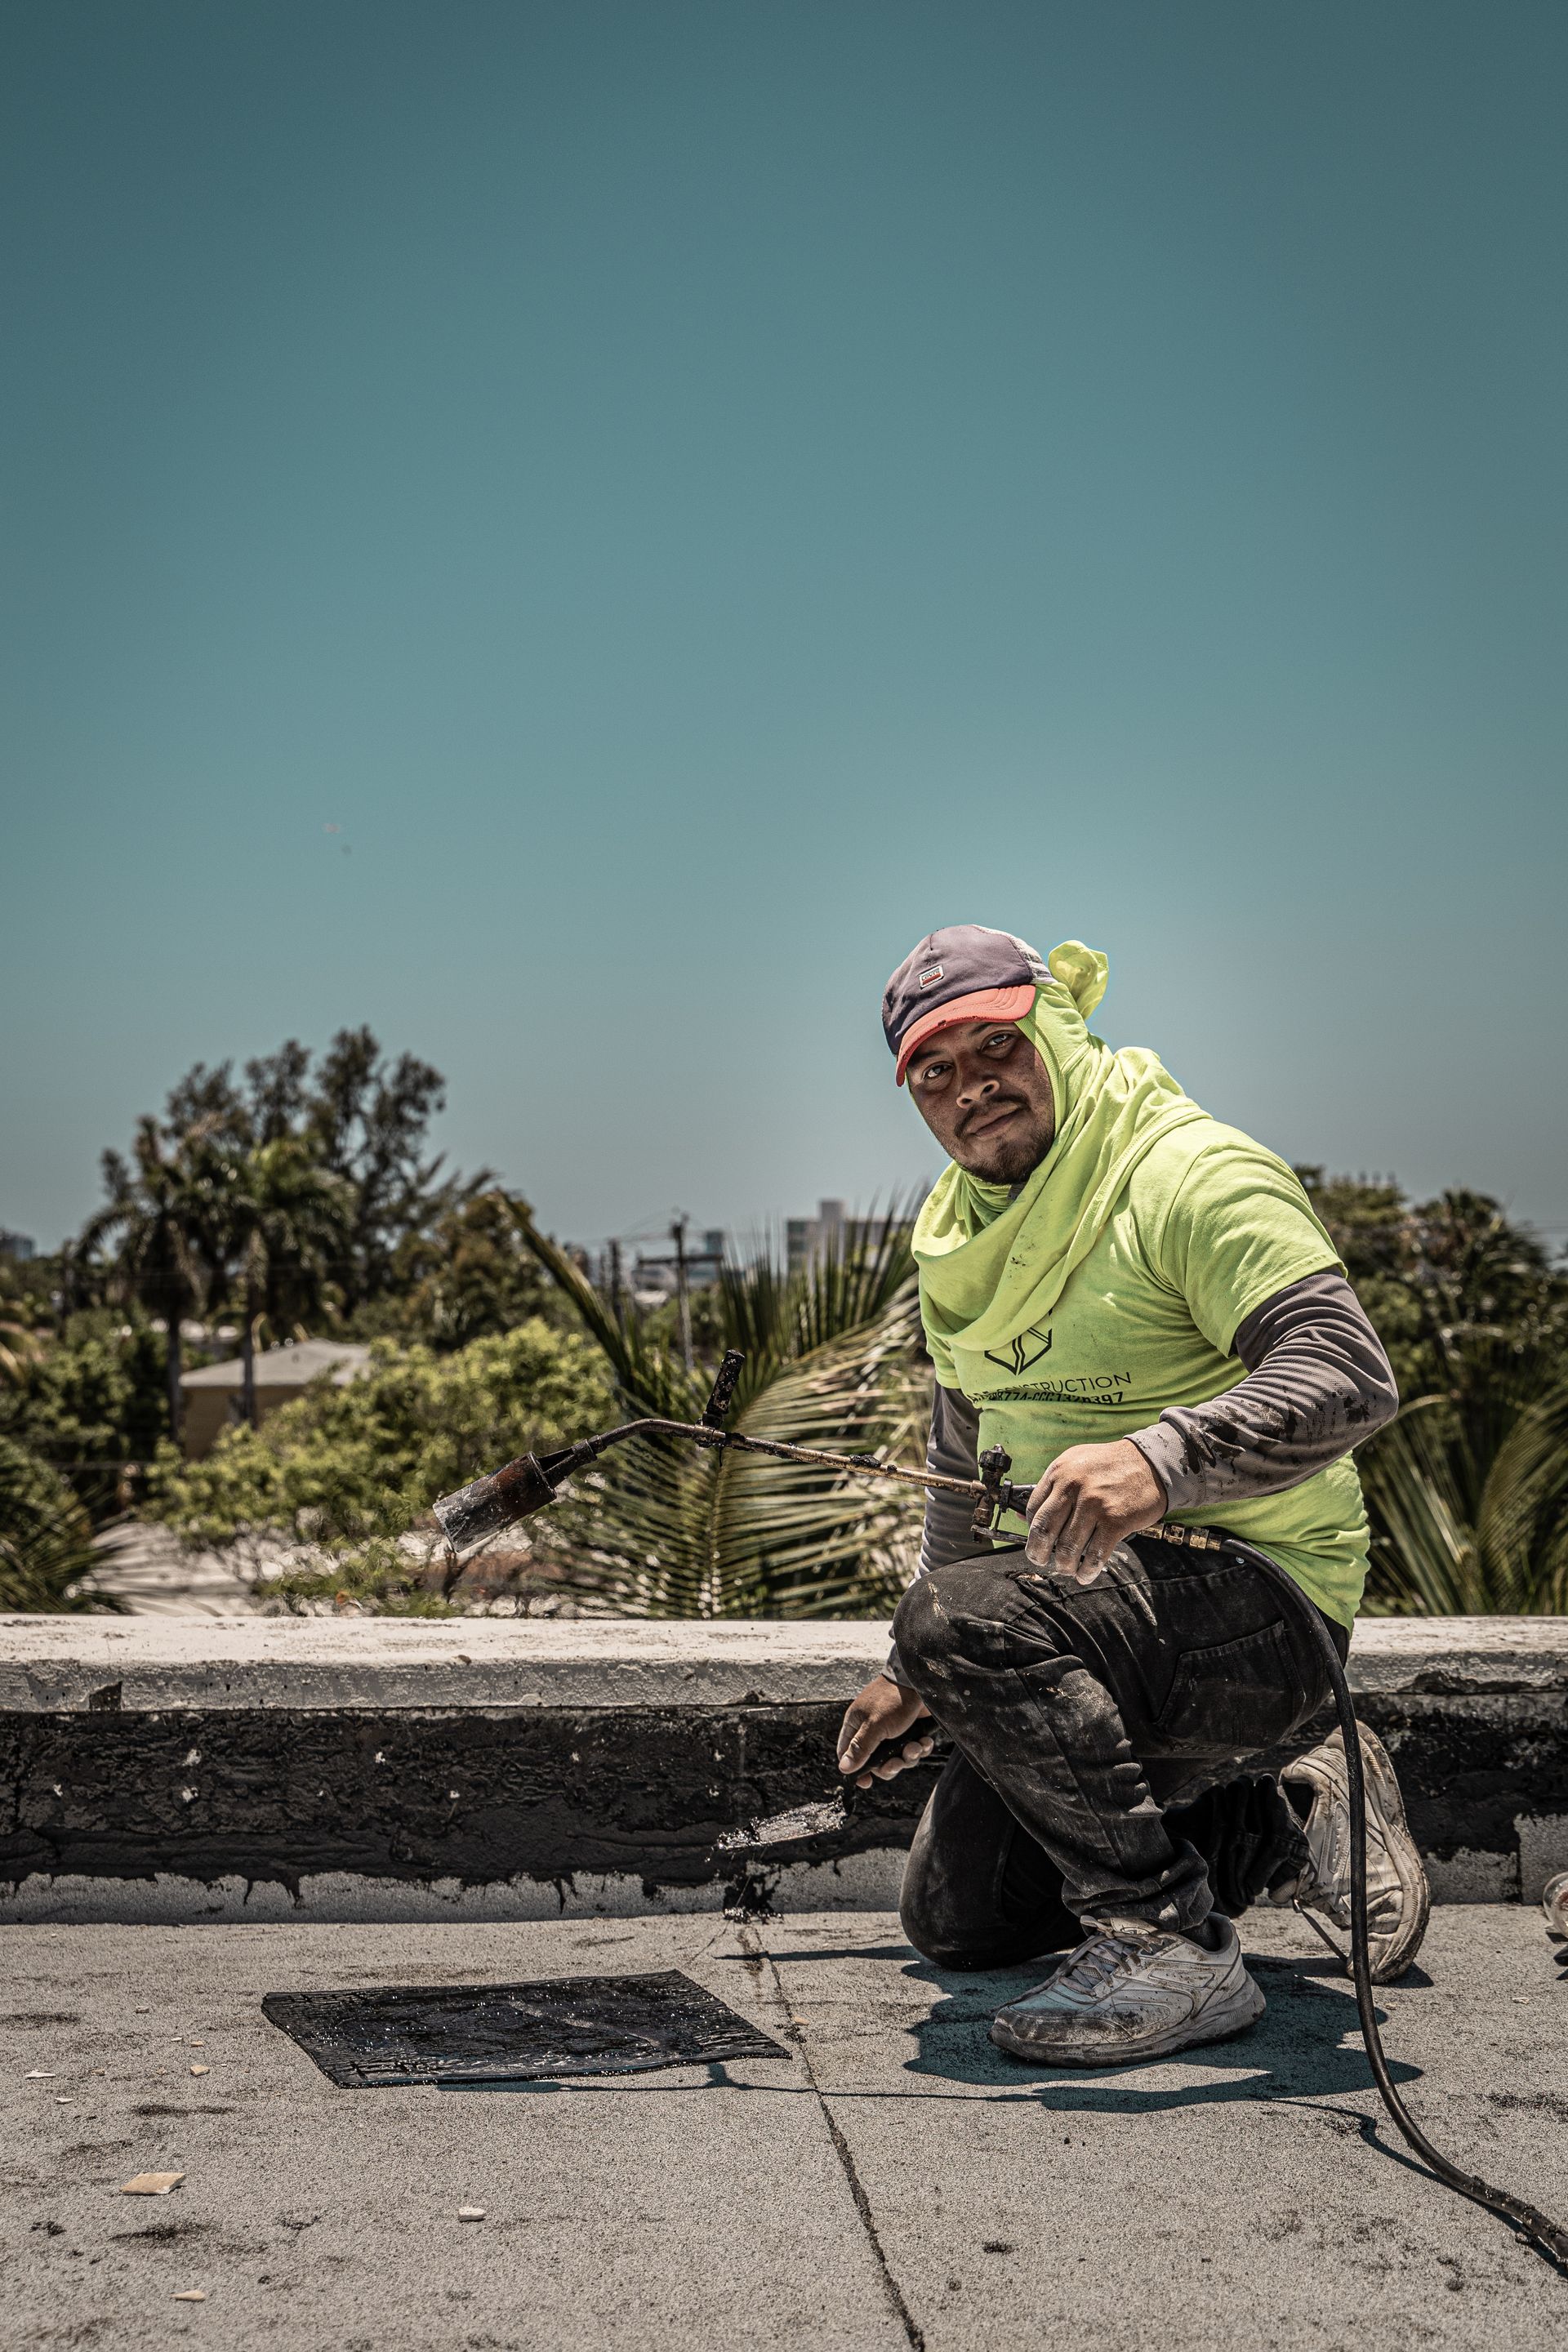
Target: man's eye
[{"x": 999, "y": 1040}]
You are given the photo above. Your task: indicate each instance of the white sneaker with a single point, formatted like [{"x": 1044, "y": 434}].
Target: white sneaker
[
  {"x": 1398, "y": 1899},
  {"x": 1554, "y": 1902},
  {"x": 1123, "y": 1998}
]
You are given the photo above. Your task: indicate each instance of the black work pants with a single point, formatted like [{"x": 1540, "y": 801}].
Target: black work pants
[{"x": 1103, "y": 1733}]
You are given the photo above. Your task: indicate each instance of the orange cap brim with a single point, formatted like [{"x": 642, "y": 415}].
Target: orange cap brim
[{"x": 985, "y": 1005}]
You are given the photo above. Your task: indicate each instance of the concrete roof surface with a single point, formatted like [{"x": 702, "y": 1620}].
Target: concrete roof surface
[
  {"x": 286, "y": 1367},
  {"x": 893, "y": 2185}
]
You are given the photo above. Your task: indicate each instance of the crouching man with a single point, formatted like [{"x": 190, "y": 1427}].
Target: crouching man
[{"x": 1141, "y": 1306}]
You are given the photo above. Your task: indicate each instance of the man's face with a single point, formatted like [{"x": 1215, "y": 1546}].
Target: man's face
[{"x": 984, "y": 1094}]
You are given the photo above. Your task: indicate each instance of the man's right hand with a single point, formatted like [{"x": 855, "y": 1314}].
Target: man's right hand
[{"x": 883, "y": 1709}]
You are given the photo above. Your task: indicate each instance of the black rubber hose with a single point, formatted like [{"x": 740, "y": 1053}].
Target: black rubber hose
[{"x": 1535, "y": 2227}]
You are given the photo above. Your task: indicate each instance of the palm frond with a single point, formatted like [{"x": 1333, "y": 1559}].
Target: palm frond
[
  {"x": 1470, "y": 1506},
  {"x": 46, "y": 1540},
  {"x": 1424, "y": 1552},
  {"x": 794, "y": 1540},
  {"x": 649, "y": 1378},
  {"x": 834, "y": 1359},
  {"x": 20, "y": 1348},
  {"x": 677, "y": 1531},
  {"x": 1523, "y": 1519}
]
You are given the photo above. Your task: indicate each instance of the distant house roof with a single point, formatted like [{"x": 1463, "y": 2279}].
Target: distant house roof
[{"x": 287, "y": 1368}]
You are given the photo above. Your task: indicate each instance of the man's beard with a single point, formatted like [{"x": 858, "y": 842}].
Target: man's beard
[{"x": 1004, "y": 1159}]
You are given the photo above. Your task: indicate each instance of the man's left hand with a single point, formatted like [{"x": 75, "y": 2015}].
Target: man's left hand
[{"x": 1089, "y": 1500}]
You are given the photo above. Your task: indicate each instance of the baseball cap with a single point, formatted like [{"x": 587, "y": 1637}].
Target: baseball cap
[{"x": 962, "y": 973}]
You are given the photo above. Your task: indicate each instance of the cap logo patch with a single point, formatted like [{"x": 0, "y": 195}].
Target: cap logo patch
[{"x": 927, "y": 979}]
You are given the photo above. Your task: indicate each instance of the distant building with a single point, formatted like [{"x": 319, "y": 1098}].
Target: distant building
[
  {"x": 18, "y": 1245},
  {"x": 213, "y": 1396},
  {"x": 830, "y": 1233}
]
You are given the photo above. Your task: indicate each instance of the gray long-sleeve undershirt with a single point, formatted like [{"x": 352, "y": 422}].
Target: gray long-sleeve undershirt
[{"x": 1318, "y": 1383}]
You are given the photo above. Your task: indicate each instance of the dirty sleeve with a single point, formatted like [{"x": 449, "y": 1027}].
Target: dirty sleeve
[{"x": 1318, "y": 1383}]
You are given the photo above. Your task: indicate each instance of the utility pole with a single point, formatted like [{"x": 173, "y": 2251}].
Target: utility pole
[
  {"x": 682, "y": 1289},
  {"x": 615, "y": 1308}
]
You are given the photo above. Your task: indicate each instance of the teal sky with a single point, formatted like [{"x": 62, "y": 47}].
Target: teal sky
[{"x": 702, "y": 493}]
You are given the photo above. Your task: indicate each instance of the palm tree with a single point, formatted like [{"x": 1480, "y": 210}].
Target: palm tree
[
  {"x": 160, "y": 1220},
  {"x": 833, "y": 1359},
  {"x": 283, "y": 1236}
]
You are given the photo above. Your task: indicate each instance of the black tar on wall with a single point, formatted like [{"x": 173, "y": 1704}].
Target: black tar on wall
[{"x": 488, "y": 1796}]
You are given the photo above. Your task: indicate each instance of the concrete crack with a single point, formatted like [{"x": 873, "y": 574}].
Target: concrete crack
[{"x": 751, "y": 1945}]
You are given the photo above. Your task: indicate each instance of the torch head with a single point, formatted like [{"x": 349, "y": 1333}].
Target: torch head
[{"x": 494, "y": 1502}]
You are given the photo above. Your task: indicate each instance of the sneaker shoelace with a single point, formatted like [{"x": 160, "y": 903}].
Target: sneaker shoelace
[{"x": 1101, "y": 1961}]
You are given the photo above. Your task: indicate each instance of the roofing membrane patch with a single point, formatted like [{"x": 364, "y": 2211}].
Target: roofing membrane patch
[{"x": 496, "y": 2033}]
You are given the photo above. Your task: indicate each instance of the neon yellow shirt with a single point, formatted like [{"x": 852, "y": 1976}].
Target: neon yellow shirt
[{"x": 1210, "y": 1225}]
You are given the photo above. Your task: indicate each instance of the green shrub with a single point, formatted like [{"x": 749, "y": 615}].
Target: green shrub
[
  {"x": 91, "y": 1403},
  {"x": 349, "y": 1471}
]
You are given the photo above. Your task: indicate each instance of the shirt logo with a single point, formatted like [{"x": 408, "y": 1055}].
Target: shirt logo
[
  {"x": 927, "y": 979},
  {"x": 1018, "y": 1360}
]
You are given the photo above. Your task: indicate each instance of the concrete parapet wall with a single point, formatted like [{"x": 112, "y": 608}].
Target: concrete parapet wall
[
  {"x": 166, "y": 1769},
  {"x": 54, "y": 1664}
]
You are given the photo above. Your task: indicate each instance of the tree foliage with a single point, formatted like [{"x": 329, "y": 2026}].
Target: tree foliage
[
  {"x": 301, "y": 1180},
  {"x": 160, "y": 1232},
  {"x": 468, "y": 1276},
  {"x": 90, "y": 1403},
  {"x": 1468, "y": 1489},
  {"x": 363, "y": 1119}
]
